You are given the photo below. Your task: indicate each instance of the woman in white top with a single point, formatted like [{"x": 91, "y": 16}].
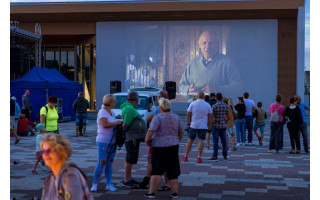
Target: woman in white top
[{"x": 106, "y": 142}]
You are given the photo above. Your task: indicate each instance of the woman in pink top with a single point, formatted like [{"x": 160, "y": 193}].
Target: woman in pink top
[{"x": 276, "y": 137}]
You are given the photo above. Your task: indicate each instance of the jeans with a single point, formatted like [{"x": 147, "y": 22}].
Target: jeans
[
  {"x": 249, "y": 125},
  {"x": 304, "y": 133},
  {"x": 81, "y": 119},
  {"x": 105, "y": 159},
  {"x": 216, "y": 133},
  {"x": 276, "y": 136},
  {"x": 240, "y": 129}
]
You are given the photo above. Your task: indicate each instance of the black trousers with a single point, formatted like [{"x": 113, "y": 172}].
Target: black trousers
[{"x": 294, "y": 135}]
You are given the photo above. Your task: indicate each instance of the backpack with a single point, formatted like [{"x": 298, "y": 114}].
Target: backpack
[
  {"x": 83, "y": 181},
  {"x": 119, "y": 132},
  {"x": 38, "y": 116},
  {"x": 275, "y": 116}
]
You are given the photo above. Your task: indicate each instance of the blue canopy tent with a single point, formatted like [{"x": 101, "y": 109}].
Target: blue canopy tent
[{"x": 42, "y": 82}]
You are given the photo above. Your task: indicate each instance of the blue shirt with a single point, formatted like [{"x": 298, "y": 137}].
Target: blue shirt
[
  {"x": 303, "y": 107},
  {"x": 249, "y": 105}
]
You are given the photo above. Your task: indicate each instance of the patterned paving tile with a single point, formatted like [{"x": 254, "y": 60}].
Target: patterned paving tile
[{"x": 249, "y": 173}]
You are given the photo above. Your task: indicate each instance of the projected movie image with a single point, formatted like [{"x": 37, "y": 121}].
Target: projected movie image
[{"x": 227, "y": 56}]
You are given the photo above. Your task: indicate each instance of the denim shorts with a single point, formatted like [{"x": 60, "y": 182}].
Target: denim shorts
[
  {"x": 259, "y": 125},
  {"x": 81, "y": 119},
  {"x": 201, "y": 133},
  {"x": 231, "y": 130}
]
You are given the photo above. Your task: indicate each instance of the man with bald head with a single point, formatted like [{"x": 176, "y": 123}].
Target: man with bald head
[
  {"x": 199, "y": 121},
  {"x": 211, "y": 71}
]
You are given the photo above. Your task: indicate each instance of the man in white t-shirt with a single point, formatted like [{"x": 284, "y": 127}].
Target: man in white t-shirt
[
  {"x": 250, "y": 108},
  {"x": 200, "y": 115}
]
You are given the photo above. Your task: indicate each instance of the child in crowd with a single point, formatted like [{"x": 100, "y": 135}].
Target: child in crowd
[
  {"x": 260, "y": 115},
  {"x": 41, "y": 128},
  {"x": 23, "y": 124}
]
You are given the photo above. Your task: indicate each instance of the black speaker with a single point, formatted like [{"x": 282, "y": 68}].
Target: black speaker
[
  {"x": 170, "y": 86},
  {"x": 115, "y": 86}
]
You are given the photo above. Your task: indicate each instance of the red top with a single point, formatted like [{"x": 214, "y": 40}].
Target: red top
[{"x": 23, "y": 125}]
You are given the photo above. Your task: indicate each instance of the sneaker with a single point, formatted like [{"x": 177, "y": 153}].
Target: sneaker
[
  {"x": 199, "y": 160},
  {"x": 259, "y": 139},
  {"x": 238, "y": 144},
  {"x": 174, "y": 196},
  {"x": 225, "y": 158},
  {"x": 242, "y": 144},
  {"x": 94, "y": 187},
  {"x": 307, "y": 151},
  {"x": 128, "y": 183},
  {"x": 185, "y": 159},
  {"x": 150, "y": 196},
  {"x": 34, "y": 172},
  {"x": 215, "y": 159},
  {"x": 134, "y": 181},
  {"x": 111, "y": 188}
]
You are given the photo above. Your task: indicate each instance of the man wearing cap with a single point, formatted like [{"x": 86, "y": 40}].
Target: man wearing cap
[{"x": 135, "y": 128}]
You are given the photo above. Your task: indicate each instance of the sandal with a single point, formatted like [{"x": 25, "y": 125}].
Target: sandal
[
  {"x": 34, "y": 172},
  {"x": 164, "y": 188}
]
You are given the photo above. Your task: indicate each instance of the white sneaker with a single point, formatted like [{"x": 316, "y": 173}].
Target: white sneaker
[
  {"x": 238, "y": 144},
  {"x": 94, "y": 187},
  {"x": 111, "y": 188},
  {"x": 242, "y": 144}
]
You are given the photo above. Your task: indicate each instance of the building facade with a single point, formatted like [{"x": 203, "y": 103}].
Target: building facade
[{"x": 147, "y": 43}]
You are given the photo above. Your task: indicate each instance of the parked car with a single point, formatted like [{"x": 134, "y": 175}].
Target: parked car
[{"x": 148, "y": 101}]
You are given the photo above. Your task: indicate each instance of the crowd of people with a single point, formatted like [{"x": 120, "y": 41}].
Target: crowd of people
[{"x": 208, "y": 115}]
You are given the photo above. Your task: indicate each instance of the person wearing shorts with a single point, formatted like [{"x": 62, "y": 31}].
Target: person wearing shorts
[
  {"x": 260, "y": 115},
  {"x": 164, "y": 138},
  {"x": 135, "y": 128},
  {"x": 199, "y": 113},
  {"x": 80, "y": 106},
  {"x": 230, "y": 124}
]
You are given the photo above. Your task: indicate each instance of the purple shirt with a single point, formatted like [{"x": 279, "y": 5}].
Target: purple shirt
[{"x": 167, "y": 127}]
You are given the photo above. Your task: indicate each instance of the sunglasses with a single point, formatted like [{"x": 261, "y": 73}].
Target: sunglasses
[{"x": 46, "y": 151}]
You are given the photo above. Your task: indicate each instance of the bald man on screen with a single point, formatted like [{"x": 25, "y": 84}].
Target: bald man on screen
[{"x": 211, "y": 71}]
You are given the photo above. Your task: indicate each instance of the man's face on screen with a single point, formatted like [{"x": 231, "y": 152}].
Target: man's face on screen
[{"x": 208, "y": 45}]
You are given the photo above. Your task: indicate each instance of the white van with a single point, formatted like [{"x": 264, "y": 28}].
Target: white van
[{"x": 148, "y": 101}]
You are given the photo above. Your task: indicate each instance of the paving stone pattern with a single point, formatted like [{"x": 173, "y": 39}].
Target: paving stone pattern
[{"x": 249, "y": 173}]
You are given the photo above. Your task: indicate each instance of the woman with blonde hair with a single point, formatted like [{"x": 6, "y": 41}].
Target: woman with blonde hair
[
  {"x": 66, "y": 181},
  {"x": 164, "y": 138},
  {"x": 106, "y": 142}
]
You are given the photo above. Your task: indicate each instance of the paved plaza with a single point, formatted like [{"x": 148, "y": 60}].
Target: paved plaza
[{"x": 250, "y": 172}]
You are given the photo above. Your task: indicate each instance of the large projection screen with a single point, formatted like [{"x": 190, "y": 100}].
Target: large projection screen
[{"x": 227, "y": 56}]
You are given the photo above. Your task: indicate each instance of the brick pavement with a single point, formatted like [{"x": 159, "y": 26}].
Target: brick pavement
[{"x": 249, "y": 173}]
